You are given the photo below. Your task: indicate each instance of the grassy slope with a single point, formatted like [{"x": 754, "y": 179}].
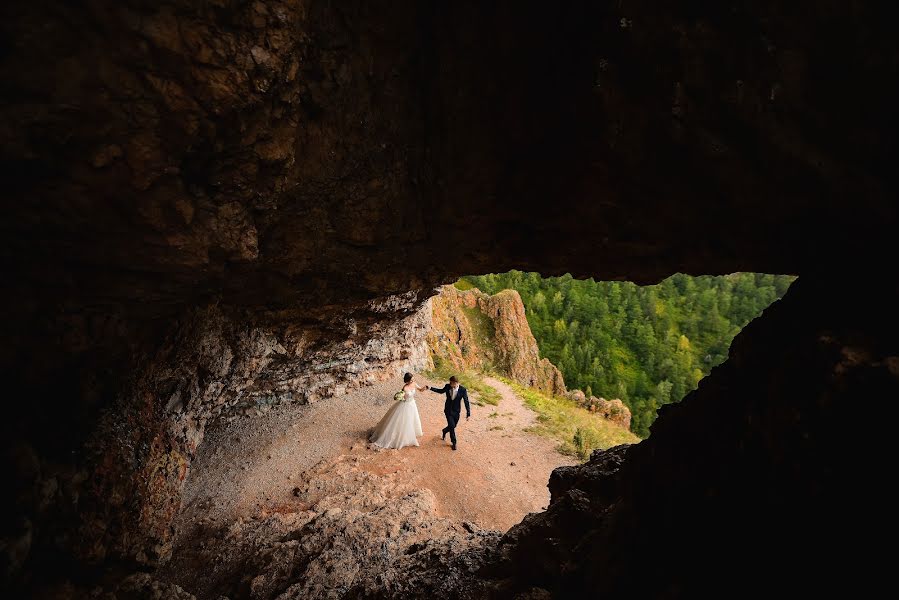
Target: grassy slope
[
  {"x": 481, "y": 393},
  {"x": 578, "y": 431}
]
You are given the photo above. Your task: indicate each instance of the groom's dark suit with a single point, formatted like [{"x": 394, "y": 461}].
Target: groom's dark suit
[{"x": 453, "y": 408}]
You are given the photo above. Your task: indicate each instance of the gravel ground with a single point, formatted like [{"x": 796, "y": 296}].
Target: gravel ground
[{"x": 253, "y": 463}]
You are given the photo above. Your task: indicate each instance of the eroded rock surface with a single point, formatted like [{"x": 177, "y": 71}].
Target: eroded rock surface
[
  {"x": 474, "y": 331},
  {"x": 216, "y": 367},
  {"x": 360, "y": 535}
]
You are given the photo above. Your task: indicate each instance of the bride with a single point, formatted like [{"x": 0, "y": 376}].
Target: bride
[{"x": 401, "y": 425}]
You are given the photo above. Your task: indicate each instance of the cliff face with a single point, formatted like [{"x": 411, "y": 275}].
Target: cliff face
[{"x": 474, "y": 331}]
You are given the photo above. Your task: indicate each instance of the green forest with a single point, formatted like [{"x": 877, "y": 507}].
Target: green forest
[{"x": 647, "y": 345}]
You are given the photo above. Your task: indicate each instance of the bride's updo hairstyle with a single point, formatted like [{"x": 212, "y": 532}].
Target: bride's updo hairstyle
[{"x": 407, "y": 377}]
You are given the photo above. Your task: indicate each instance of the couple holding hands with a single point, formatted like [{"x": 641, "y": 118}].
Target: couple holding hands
[{"x": 401, "y": 425}]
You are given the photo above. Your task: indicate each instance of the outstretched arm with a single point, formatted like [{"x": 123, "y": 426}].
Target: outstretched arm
[
  {"x": 422, "y": 388},
  {"x": 439, "y": 390}
]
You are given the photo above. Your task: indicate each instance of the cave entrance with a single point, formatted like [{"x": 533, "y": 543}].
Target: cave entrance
[{"x": 555, "y": 368}]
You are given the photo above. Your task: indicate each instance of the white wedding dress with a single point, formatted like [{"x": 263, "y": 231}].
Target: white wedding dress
[{"x": 401, "y": 425}]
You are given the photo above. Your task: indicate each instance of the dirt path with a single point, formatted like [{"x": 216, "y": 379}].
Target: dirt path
[
  {"x": 251, "y": 465},
  {"x": 497, "y": 475}
]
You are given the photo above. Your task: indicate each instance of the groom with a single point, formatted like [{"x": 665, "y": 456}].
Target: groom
[{"x": 455, "y": 393}]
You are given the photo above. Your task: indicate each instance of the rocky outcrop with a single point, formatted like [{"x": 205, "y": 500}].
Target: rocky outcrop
[
  {"x": 473, "y": 331},
  {"x": 613, "y": 410}
]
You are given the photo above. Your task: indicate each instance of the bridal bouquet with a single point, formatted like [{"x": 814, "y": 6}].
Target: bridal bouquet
[{"x": 399, "y": 396}]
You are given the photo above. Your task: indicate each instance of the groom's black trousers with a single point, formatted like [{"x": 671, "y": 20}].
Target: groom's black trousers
[{"x": 452, "y": 418}]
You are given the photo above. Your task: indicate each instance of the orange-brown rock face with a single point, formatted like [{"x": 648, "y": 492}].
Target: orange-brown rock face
[{"x": 477, "y": 332}]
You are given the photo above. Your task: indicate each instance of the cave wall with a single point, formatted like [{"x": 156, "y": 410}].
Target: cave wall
[
  {"x": 219, "y": 365},
  {"x": 125, "y": 489},
  {"x": 248, "y": 174}
]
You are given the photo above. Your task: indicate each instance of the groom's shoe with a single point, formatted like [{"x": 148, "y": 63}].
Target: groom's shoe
[
  {"x": 444, "y": 435},
  {"x": 454, "y": 446}
]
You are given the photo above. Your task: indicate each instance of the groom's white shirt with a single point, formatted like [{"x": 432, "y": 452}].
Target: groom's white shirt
[{"x": 454, "y": 392}]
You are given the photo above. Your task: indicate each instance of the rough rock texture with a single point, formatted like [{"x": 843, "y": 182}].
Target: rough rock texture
[
  {"x": 215, "y": 366},
  {"x": 474, "y": 331},
  {"x": 361, "y": 535},
  {"x": 121, "y": 499},
  {"x": 613, "y": 410},
  {"x": 142, "y": 586},
  {"x": 578, "y": 396},
  {"x": 291, "y": 161},
  {"x": 134, "y": 586},
  {"x": 596, "y": 477}
]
